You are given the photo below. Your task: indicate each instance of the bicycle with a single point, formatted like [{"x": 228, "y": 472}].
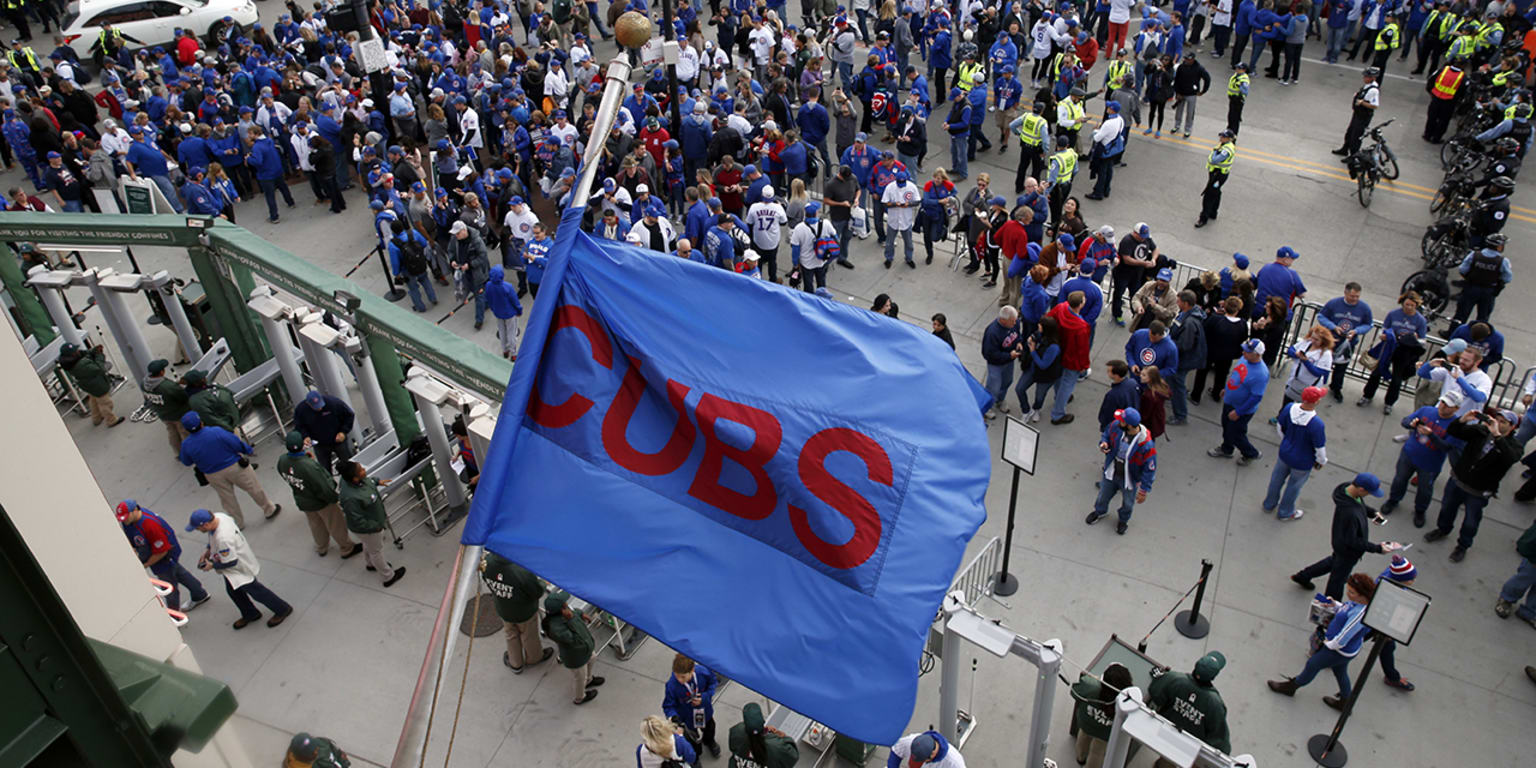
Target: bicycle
[
  {"x": 1373, "y": 162},
  {"x": 1448, "y": 239}
]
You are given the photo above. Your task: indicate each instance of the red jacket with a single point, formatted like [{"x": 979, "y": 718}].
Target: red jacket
[
  {"x": 1074, "y": 337},
  {"x": 1013, "y": 239},
  {"x": 186, "y": 50}
]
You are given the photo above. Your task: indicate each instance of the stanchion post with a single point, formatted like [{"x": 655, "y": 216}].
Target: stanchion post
[
  {"x": 1007, "y": 583},
  {"x": 394, "y": 293},
  {"x": 1190, "y": 623},
  {"x": 1325, "y": 747}
]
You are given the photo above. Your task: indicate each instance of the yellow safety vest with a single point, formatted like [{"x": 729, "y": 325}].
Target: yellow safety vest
[
  {"x": 1382, "y": 41},
  {"x": 26, "y": 54},
  {"x": 967, "y": 74},
  {"x": 1066, "y": 165},
  {"x": 1485, "y": 34},
  {"x": 117, "y": 37},
  {"x": 1056, "y": 64},
  {"x": 1119, "y": 71},
  {"x": 1503, "y": 78},
  {"x": 1517, "y": 110},
  {"x": 1236, "y": 83},
  {"x": 1223, "y": 165},
  {"x": 1032, "y": 130},
  {"x": 1075, "y": 112}
]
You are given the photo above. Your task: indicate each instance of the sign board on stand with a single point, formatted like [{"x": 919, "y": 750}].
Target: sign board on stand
[
  {"x": 1021, "y": 444},
  {"x": 370, "y": 53},
  {"x": 139, "y": 195}
]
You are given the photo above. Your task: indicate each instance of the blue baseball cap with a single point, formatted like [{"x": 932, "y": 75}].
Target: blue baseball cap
[
  {"x": 1165, "y": 274},
  {"x": 1287, "y": 252},
  {"x": 1129, "y": 417},
  {"x": 314, "y": 400},
  {"x": 1370, "y": 483},
  {"x": 1240, "y": 260},
  {"x": 1253, "y": 346},
  {"x": 199, "y": 517},
  {"x": 191, "y": 421}
]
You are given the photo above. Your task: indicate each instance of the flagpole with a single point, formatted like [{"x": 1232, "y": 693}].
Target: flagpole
[{"x": 410, "y": 751}]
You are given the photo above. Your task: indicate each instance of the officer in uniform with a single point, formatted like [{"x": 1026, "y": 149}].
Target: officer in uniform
[
  {"x": 1366, "y": 100},
  {"x": 517, "y": 592},
  {"x": 1192, "y": 703},
  {"x": 1443, "y": 89},
  {"x": 754, "y": 744},
  {"x": 213, "y": 402},
  {"x": 1058, "y": 180},
  {"x": 314, "y": 493},
  {"x": 1387, "y": 40},
  {"x": 88, "y": 370},
  {"x": 1032, "y": 130},
  {"x": 306, "y": 751},
  {"x": 1493, "y": 212},
  {"x": 1218, "y": 167},
  {"x": 1237, "y": 96},
  {"x": 24, "y": 60},
  {"x": 154, "y": 541},
  {"x": 168, "y": 400},
  {"x": 1070, "y": 117},
  {"x": 1486, "y": 272},
  {"x": 1504, "y": 161},
  {"x": 108, "y": 42},
  {"x": 363, "y": 506}
]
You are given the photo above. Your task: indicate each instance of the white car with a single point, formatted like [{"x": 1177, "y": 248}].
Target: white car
[{"x": 154, "y": 22}]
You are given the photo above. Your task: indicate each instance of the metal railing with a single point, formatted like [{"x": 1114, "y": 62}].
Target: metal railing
[{"x": 979, "y": 576}]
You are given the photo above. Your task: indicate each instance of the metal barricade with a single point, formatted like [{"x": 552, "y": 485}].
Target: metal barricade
[{"x": 979, "y": 576}]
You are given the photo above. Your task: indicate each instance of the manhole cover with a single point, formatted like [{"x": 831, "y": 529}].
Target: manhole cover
[{"x": 480, "y": 616}]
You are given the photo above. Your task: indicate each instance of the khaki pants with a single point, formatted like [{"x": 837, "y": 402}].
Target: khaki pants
[
  {"x": 1004, "y": 117},
  {"x": 1090, "y": 749},
  {"x": 373, "y": 552},
  {"x": 327, "y": 523},
  {"x": 580, "y": 676},
  {"x": 523, "y": 644},
  {"x": 1013, "y": 290},
  {"x": 175, "y": 433},
  {"x": 101, "y": 408},
  {"x": 227, "y": 479}
]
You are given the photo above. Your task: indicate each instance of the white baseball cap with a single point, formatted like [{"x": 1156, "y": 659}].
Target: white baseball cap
[
  {"x": 642, "y": 189},
  {"x": 767, "y": 193}
]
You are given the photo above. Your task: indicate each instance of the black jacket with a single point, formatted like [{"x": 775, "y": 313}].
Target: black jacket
[
  {"x": 1350, "y": 541},
  {"x": 1224, "y": 338},
  {"x": 1188, "y": 334},
  {"x": 1483, "y": 463},
  {"x": 1122, "y": 394},
  {"x": 1191, "y": 79}
]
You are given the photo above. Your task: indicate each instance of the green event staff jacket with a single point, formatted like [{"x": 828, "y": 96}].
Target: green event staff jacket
[
  {"x": 570, "y": 635},
  {"x": 216, "y": 405},
  {"x": 166, "y": 398},
  {"x": 516, "y": 589},
  {"x": 782, "y": 752},
  {"x": 313, "y": 488},
  {"x": 90, "y": 373},
  {"x": 1196, "y": 709},
  {"x": 329, "y": 755},
  {"x": 1095, "y": 716},
  {"x": 363, "y": 506}
]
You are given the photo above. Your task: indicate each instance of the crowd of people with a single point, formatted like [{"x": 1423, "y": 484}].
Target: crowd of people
[{"x": 792, "y": 141}]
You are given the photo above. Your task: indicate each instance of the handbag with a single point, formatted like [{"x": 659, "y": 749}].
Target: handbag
[{"x": 202, "y": 479}]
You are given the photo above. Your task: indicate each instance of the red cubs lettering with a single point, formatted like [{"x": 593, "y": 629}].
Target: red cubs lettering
[
  {"x": 575, "y": 406},
  {"x": 767, "y": 433},
  {"x": 616, "y": 423},
  {"x": 837, "y": 495}
]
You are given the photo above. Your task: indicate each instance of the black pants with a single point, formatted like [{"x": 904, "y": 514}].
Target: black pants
[
  {"x": 1365, "y": 35},
  {"x": 328, "y": 454},
  {"x": 1356, "y": 130},
  {"x": 698, "y": 739},
  {"x": 1031, "y": 163},
  {"x": 1196, "y": 26},
  {"x": 18, "y": 19},
  {"x": 1235, "y": 113},
  {"x": 975, "y": 138},
  {"x": 1221, "y": 35},
  {"x": 1275, "y": 46},
  {"x": 940, "y": 92},
  {"x": 1338, "y": 569},
  {"x": 1336, "y": 379},
  {"x": 1405, "y": 361},
  {"x": 1438, "y": 118},
  {"x": 1217, "y": 370},
  {"x": 770, "y": 261},
  {"x": 1104, "y": 171},
  {"x": 1429, "y": 56},
  {"x": 333, "y": 193},
  {"x": 1058, "y": 198},
  {"x": 1292, "y": 70},
  {"x": 1124, "y": 283},
  {"x": 1155, "y": 111},
  {"x": 1210, "y": 199},
  {"x": 1238, "y": 44}
]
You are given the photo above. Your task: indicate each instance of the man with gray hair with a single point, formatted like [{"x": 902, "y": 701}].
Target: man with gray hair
[{"x": 1000, "y": 345}]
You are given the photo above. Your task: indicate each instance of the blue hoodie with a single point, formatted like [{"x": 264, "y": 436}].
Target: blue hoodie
[
  {"x": 1341, "y": 318},
  {"x": 1427, "y": 452},
  {"x": 1141, "y": 351},
  {"x": 1093, "y": 297},
  {"x": 1302, "y": 438},
  {"x": 1245, "y": 386},
  {"x": 500, "y": 296}
]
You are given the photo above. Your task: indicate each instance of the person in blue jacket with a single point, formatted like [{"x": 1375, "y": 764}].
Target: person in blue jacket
[
  {"x": 200, "y": 200},
  {"x": 1151, "y": 346},
  {"x": 1402, "y": 344},
  {"x": 940, "y": 59},
  {"x": 1303, "y": 448},
  {"x": 796, "y": 158},
  {"x": 1093, "y": 295},
  {"x": 1484, "y": 337},
  {"x": 815, "y": 123},
  {"x": 958, "y": 123},
  {"x": 1242, "y": 28},
  {"x": 661, "y": 744},
  {"x": 689, "y": 701},
  {"x": 697, "y": 221},
  {"x": 696, "y": 134},
  {"x": 1130, "y": 466},
  {"x": 978, "y": 99},
  {"x": 409, "y": 258},
  {"x": 154, "y": 541},
  {"x": 1346, "y": 317},
  {"x": 1423, "y": 454},
  {"x": 501, "y": 297},
  {"x": 720, "y": 243},
  {"x": 1341, "y": 643},
  {"x": 1278, "y": 279},
  {"x": 219, "y": 456},
  {"x": 269, "y": 171},
  {"x": 1239, "y": 401}
]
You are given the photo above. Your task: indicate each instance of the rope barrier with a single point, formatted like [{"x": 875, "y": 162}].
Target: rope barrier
[
  {"x": 359, "y": 265},
  {"x": 1142, "y": 646}
]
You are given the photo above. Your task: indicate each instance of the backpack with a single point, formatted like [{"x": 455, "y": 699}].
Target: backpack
[
  {"x": 827, "y": 245},
  {"x": 413, "y": 258}
]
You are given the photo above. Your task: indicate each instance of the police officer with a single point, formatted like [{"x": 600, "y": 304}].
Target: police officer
[
  {"x": 1365, "y": 103},
  {"x": 1218, "y": 167},
  {"x": 154, "y": 541},
  {"x": 1443, "y": 89},
  {"x": 1493, "y": 210},
  {"x": 1237, "y": 96},
  {"x": 1487, "y": 272},
  {"x": 753, "y": 743},
  {"x": 1504, "y": 161},
  {"x": 517, "y": 592},
  {"x": 1032, "y": 130},
  {"x": 363, "y": 506},
  {"x": 1192, "y": 703},
  {"x": 1387, "y": 40},
  {"x": 306, "y": 751},
  {"x": 325, "y": 420},
  {"x": 1058, "y": 180},
  {"x": 214, "y": 403},
  {"x": 167, "y": 399},
  {"x": 88, "y": 371},
  {"x": 314, "y": 493}
]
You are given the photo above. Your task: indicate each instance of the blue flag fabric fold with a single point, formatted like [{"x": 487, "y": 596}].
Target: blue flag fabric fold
[{"x": 778, "y": 485}]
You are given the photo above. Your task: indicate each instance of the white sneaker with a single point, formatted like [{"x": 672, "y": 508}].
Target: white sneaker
[
  {"x": 1034, "y": 417},
  {"x": 990, "y": 415},
  {"x": 1003, "y": 408},
  {"x": 191, "y": 606},
  {"x": 1293, "y": 518},
  {"x": 1403, "y": 438}
]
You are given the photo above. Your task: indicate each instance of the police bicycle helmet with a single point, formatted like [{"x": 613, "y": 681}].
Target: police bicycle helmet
[
  {"x": 1495, "y": 240},
  {"x": 1507, "y": 145},
  {"x": 1372, "y": 72},
  {"x": 1502, "y": 184}
]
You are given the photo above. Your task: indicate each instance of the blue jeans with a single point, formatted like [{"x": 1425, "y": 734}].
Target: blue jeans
[
  {"x": 479, "y": 307},
  {"x": 1520, "y": 585},
  {"x": 1234, "y": 434},
  {"x": 845, "y": 74},
  {"x": 1179, "y": 395},
  {"x": 597, "y": 20},
  {"x": 1456, "y": 497},
  {"x": 1277, "y": 479},
  {"x": 170, "y": 570},
  {"x": 270, "y": 188},
  {"x": 998, "y": 377},
  {"x": 1107, "y": 491},
  {"x": 73, "y": 206},
  {"x": 1389, "y": 660},
  {"x": 1337, "y": 37},
  {"x": 844, "y": 231},
  {"x": 1526, "y": 431},
  {"x": 1064, "y": 387},
  {"x": 424, "y": 280},
  {"x": 258, "y": 592},
  {"x": 906, "y": 238},
  {"x": 1327, "y": 658},
  {"x": 1423, "y": 494},
  {"x": 957, "y": 152},
  {"x": 169, "y": 190},
  {"x": 1021, "y": 389}
]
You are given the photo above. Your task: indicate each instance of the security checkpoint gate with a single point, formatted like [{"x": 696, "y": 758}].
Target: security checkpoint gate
[
  {"x": 321, "y": 344},
  {"x": 1135, "y": 720},
  {"x": 50, "y": 286}
]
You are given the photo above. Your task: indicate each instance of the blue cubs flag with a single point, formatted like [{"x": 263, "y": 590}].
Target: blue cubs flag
[{"x": 778, "y": 485}]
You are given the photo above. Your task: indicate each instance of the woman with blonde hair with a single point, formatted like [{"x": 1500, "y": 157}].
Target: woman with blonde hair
[
  {"x": 1313, "y": 355},
  {"x": 794, "y": 207},
  {"x": 661, "y": 742}
]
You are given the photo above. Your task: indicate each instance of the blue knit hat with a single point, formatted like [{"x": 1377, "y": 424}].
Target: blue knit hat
[{"x": 1401, "y": 570}]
